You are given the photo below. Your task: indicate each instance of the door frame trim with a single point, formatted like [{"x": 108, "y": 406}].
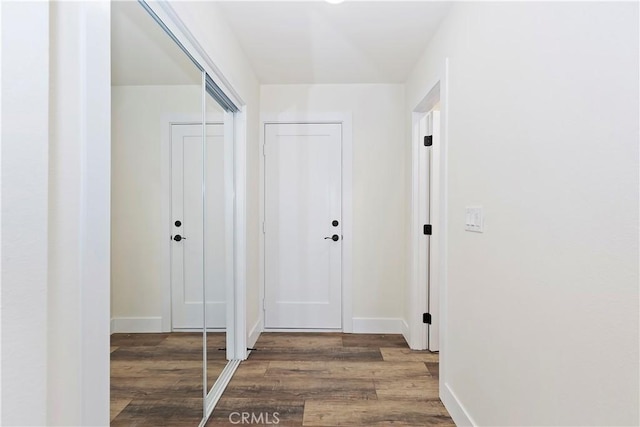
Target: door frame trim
[{"x": 345, "y": 119}]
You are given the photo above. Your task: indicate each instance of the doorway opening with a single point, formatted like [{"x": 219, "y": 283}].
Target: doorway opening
[{"x": 428, "y": 225}]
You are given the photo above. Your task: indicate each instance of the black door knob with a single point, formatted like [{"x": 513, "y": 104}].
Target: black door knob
[
  {"x": 335, "y": 238},
  {"x": 335, "y": 223},
  {"x": 178, "y": 237}
]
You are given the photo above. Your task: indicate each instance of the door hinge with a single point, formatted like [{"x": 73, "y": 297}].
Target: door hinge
[
  {"x": 427, "y": 229},
  {"x": 264, "y": 228},
  {"x": 428, "y": 140},
  {"x": 426, "y": 318},
  {"x": 264, "y": 150}
]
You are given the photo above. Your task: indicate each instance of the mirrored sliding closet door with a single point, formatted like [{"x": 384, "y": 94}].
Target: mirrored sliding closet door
[{"x": 172, "y": 226}]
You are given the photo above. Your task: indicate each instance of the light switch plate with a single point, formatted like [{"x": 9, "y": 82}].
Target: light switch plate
[{"x": 473, "y": 219}]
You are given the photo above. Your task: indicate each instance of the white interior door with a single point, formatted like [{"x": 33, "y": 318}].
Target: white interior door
[
  {"x": 190, "y": 247},
  {"x": 429, "y": 176},
  {"x": 303, "y": 205}
]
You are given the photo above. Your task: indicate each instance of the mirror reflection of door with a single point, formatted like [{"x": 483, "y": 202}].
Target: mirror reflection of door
[
  {"x": 188, "y": 268},
  {"x": 202, "y": 231}
]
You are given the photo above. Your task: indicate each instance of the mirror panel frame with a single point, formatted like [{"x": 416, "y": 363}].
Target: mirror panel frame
[{"x": 236, "y": 337}]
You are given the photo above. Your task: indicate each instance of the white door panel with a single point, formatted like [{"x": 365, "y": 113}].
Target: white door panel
[
  {"x": 303, "y": 193},
  {"x": 434, "y": 195},
  {"x": 429, "y": 125},
  {"x": 188, "y": 255}
]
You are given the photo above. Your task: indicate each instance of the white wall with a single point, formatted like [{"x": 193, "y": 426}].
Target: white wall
[
  {"x": 55, "y": 218},
  {"x": 24, "y": 175},
  {"x": 206, "y": 23},
  {"x": 138, "y": 228},
  {"x": 79, "y": 217},
  {"x": 542, "y": 313},
  {"x": 380, "y": 195}
]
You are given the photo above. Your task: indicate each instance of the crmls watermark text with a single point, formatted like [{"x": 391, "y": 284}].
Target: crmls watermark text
[{"x": 261, "y": 418}]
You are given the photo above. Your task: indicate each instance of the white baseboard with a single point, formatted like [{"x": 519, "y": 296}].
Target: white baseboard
[
  {"x": 296, "y": 330},
  {"x": 456, "y": 409},
  {"x": 361, "y": 325},
  {"x": 404, "y": 329},
  {"x": 377, "y": 325},
  {"x": 134, "y": 325},
  {"x": 254, "y": 334}
]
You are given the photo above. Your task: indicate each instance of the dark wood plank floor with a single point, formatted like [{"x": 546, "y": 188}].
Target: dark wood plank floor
[
  {"x": 334, "y": 380},
  {"x": 322, "y": 379},
  {"x": 156, "y": 379}
]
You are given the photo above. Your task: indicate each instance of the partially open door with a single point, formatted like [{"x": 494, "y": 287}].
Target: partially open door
[{"x": 429, "y": 175}]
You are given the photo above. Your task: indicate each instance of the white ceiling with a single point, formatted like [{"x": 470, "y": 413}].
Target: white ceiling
[
  {"x": 286, "y": 41},
  {"x": 142, "y": 53},
  {"x": 316, "y": 42}
]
